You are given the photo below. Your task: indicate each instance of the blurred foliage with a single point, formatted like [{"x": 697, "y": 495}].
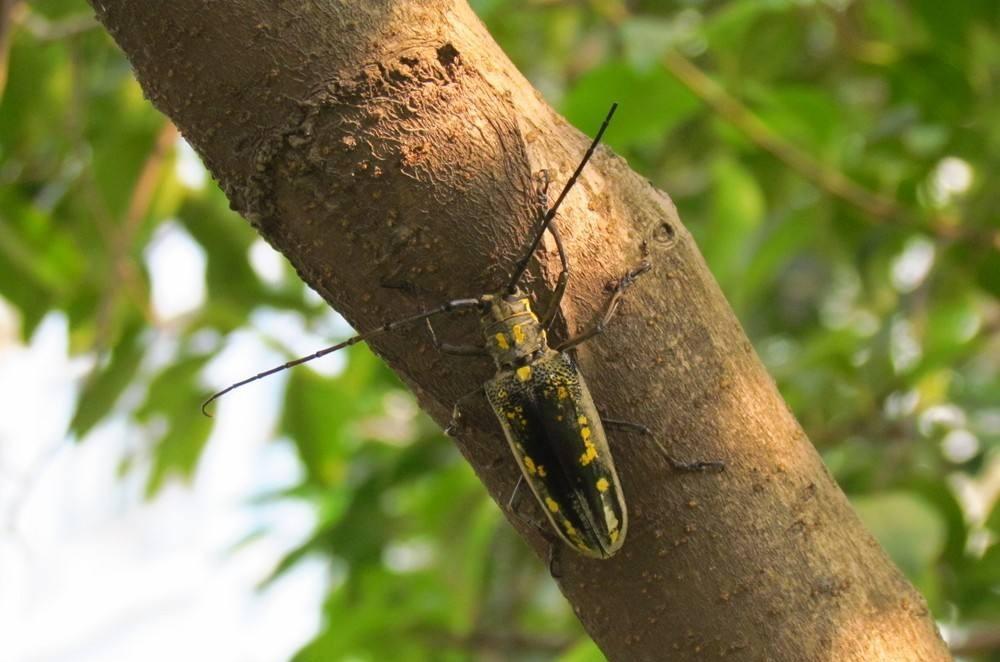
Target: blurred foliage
[{"x": 837, "y": 162}]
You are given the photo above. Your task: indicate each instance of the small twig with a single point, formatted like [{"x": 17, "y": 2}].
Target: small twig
[
  {"x": 877, "y": 206},
  {"x": 830, "y": 180}
]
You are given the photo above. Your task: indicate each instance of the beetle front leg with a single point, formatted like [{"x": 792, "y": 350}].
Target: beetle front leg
[
  {"x": 457, "y": 350},
  {"x": 713, "y": 466},
  {"x": 541, "y": 185},
  {"x": 553, "y": 307},
  {"x": 610, "y": 307}
]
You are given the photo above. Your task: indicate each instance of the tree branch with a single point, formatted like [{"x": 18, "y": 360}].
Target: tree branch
[
  {"x": 374, "y": 138},
  {"x": 876, "y": 206}
]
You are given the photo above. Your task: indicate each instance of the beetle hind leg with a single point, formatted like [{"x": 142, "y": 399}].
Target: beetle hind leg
[
  {"x": 708, "y": 466},
  {"x": 456, "y": 412},
  {"x": 553, "y": 560}
]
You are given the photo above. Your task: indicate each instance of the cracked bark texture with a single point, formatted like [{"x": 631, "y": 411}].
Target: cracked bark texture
[{"x": 386, "y": 147}]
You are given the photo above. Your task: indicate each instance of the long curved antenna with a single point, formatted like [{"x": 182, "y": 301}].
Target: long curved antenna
[
  {"x": 457, "y": 304},
  {"x": 551, "y": 213}
]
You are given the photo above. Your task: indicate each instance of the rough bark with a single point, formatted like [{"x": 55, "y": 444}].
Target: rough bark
[{"x": 386, "y": 147}]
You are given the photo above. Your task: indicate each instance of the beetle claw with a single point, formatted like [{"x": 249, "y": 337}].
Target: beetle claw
[{"x": 554, "y": 564}]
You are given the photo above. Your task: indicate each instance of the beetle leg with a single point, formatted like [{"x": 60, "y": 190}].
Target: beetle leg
[
  {"x": 541, "y": 184},
  {"x": 712, "y": 466},
  {"x": 456, "y": 412},
  {"x": 553, "y": 308},
  {"x": 554, "y": 546},
  {"x": 555, "y": 567},
  {"x": 610, "y": 307},
  {"x": 625, "y": 425},
  {"x": 513, "y": 504},
  {"x": 513, "y": 495},
  {"x": 458, "y": 350}
]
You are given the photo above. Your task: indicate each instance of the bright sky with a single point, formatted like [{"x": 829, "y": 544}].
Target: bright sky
[{"x": 91, "y": 572}]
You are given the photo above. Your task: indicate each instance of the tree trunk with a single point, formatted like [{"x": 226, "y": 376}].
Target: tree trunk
[{"x": 386, "y": 149}]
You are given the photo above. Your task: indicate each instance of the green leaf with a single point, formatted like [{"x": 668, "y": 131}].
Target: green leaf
[
  {"x": 101, "y": 390},
  {"x": 979, "y": 581},
  {"x": 909, "y": 529},
  {"x": 226, "y": 238},
  {"x": 780, "y": 240},
  {"x": 953, "y": 320},
  {"x": 993, "y": 520},
  {"x": 320, "y": 412},
  {"x": 585, "y": 651},
  {"x": 737, "y": 211},
  {"x": 939, "y": 495},
  {"x": 174, "y": 398},
  {"x": 647, "y": 39},
  {"x": 177, "y": 452},
  {"x": 651, "y": 103},
  {"x": 731, "y": 21},
  {"x": 806, "y": 116},
  {"x": 318, "y": 415}
]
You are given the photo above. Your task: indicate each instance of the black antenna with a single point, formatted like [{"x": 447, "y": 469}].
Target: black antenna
[
  {"x": 457, "y": 304},
  {"x": 551, "y": 213}
]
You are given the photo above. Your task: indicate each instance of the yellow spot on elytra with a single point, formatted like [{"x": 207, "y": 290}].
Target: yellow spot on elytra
[
  {"x": 502, "y": 341},
  {"x": 570, "y": 529},
  {"x": 563, "y": 394},
  {"x": 614, "y": 535},
  {"x": 524, "y": 373},
  {"x": 552, "y": 505},
  {"x": 529, "y": 464},
  {"x": 518, "y": 333},
  {"x": 602, "y": 485},
  {"x": 582, "y": 420},
  {"x": 541, "y": 471},
  {"x": 589, "y": 455},
  {"x": 585, "y": 434},
  {"x": 510, "y": 415}
]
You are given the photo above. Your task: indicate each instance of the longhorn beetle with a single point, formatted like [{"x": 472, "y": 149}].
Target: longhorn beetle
[{"x": 539, "y": 396}]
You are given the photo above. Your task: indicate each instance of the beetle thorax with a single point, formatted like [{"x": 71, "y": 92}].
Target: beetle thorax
[{"x": 514, "y": 337}]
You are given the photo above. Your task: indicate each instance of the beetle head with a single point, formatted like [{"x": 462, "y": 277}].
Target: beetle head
[{"x": 513, "y": 334}]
